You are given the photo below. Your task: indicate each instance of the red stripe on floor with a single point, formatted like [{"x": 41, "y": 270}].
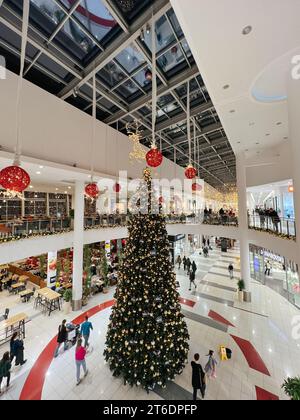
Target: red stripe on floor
[
  {"x": 216, "y": 317},
  {"x": 263, "y": 395},
  {"x": 187, "y": 302},
  {"x": 253, "y": 358},
  {"x": 33, "y": 387}
]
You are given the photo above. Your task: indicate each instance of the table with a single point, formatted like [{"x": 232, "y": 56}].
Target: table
[
  {"x": 13, "y": 324},
  {"x": 23, "y": 279},
  {"x": 26, "y": 295},
  {"x": 16, "y": 288},
  {"x": 51, "y": 299}
]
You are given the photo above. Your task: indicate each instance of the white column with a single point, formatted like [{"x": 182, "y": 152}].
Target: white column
[
  {"x": 243, "y": 220},
  {"x": 294, "y": 137},
  {"x": 78, "y": 245},
  {"x": 47, "y": 205}
]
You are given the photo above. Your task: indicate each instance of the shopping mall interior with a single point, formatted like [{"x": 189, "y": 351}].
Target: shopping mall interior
[{"x": 149, "y": 200}]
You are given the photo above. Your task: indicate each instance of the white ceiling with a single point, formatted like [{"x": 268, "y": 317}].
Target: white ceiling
[{"x": 259, "y": 61}]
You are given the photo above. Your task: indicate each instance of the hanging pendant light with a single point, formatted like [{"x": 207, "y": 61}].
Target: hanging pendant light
[
  {"x": 91, "y": 190},
  {"x": 14, "y": 179},
  {"x": 190, "y": 171},
  {"x": 154, "y": 157},
  {"x": 148, "y": 75}
]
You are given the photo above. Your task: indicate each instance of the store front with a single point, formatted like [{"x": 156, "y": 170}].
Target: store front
[
  {"x": 284, "y": 276},
  {"x": 177, "y": 246}
]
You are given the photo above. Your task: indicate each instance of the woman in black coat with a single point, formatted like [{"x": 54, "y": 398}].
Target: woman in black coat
[
  {"x": 198, "y": 378},
  {"x": 61, "y": 337},
  {"x": 17, "y": 350}
]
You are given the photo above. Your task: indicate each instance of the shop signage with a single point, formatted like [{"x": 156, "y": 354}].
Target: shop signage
[{"x": 272, "y": 256}]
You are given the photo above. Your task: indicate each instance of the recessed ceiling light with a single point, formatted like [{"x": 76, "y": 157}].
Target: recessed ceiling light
[
  {"x": 41, "y": 167},
  {"x": 285, "y": 138},
  {"x": 66, "y": 192},
  {"x": 31, "y": 186},
  {"x": 247, "y": 30},
  {"x": 56, "y": 189},
  {"x": 257, "y": 142},
  {"x": 246, "y": 150},
  {"x": 38, "y": 172},
  {"x": 238, "y": 142},
  {"x": 251, "y": 124},
  {"x": 225, "y": 87},
  {"x": 69, "y": 188},
  {"x": 279, "y": 123},
  {"x": 232, "y": 111},
  {"x": 268, "y": 134}
]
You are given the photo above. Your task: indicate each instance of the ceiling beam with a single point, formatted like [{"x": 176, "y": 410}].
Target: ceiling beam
[{"x": 160, "y": 7}]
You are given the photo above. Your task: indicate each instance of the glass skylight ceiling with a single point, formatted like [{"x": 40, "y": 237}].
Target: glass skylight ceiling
[{"x": 68, "y": 39}]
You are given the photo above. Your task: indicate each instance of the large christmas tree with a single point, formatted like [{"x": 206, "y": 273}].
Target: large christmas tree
[{"x": 147, "y": 339}]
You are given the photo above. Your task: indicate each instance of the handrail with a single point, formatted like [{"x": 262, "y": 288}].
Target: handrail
[{"x": 279, "y": 226}]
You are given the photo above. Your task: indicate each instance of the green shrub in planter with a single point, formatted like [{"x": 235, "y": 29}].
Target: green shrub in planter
[
  {"x": 241, "y": 285},
  {"x": 68, "y": 295},
  {"x": 291, "y": 387}
]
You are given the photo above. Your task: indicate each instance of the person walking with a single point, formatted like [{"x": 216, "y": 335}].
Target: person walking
[
  {"x": 61, "y": 338},
  {"x": 17, "y": 350},
  {"x": 208, "y": 243},
  {"x": 198, "y": 377},
  {"x": 184, "y": 263},
  {"x": 230, "y": 270},
  {"x": 5, "y": 367},
  {"x": 194, "y": 267},
  {"x": 85, "y": 331},
  {"x": 211, "y": 366},
  {"x": 80, "y": 354},
  {"x": 179, "y": 261},
  {"x": 268, "y": 269},
  {"x": 188, "y": 265},
  {"x": 192, "y": 280},
  {"x": 205, "y": 252}
]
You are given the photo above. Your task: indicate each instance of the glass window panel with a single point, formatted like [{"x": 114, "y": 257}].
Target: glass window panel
[
  {"x": 112, "y": 74},
  {"x": 52, "y": 66},
  {"x": 175, "y": 23},
  {"x": 164, "y": 35},
  {"x": 142, "y": 81},
  {"x": 127, "y": 89},
  {"x": 46, "y": 15},
  {"x": 186, "y": 48},
  {"x": 95, "y": 18},
  {"x": 130, "y": 58},
  {"x": 171, "y": 59},
  {"x": 74, "y": 40}
]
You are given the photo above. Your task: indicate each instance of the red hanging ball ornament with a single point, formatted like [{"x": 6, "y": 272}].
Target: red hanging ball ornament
[
  {"x": 92, "y": 191},
  {"x": 174, "y": 50},
  {"x": 190, "y": 172},
  {"x": 196, "y": 187},
  {"x": 117, "y": 188},
  {"x": 14, "y": 179},
  {"x": 161, "y": 200},
  {"x": 154, "y": 157}
]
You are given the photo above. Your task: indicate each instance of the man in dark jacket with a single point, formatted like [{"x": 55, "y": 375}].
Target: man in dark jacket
[
  {"x": 5, "y": 366},
  {"x": 194, "y": 267},
  {"x": 61, "y": 337},
  {"x": 198, "y": 378},
  {"x": 192, "y": 279},
  {"x": 188, "y": 265}
]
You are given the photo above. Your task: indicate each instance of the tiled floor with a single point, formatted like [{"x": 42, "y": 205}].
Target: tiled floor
[{"x": 214, "y": 318}]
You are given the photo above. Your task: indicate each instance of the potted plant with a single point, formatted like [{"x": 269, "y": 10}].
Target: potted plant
[
  {"x": 42, "y": 263},
  {"x": 67, "y": 306},
  {"x": 86, "y": 295},
  {"x": 291, "y": 388},
  {"x": 241, "y": 288},
  {"x": 72, "y": 215}
]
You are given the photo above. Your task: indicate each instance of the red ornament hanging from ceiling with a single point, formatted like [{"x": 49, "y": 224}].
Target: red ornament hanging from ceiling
[
  {"x": 117, "y": 188},
  {"x": 196, "y": 187},
  {"x": 190, "y": 172},
  {"x": 92, "y": 191},
  {"x": 14, "y": 179},
  {"x": 154, "y": 157}
]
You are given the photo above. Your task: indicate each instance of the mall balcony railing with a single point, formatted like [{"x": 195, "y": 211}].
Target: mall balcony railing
[
  {"x": 22, "y": 229},
  {"x": 282, "y": 227}
]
